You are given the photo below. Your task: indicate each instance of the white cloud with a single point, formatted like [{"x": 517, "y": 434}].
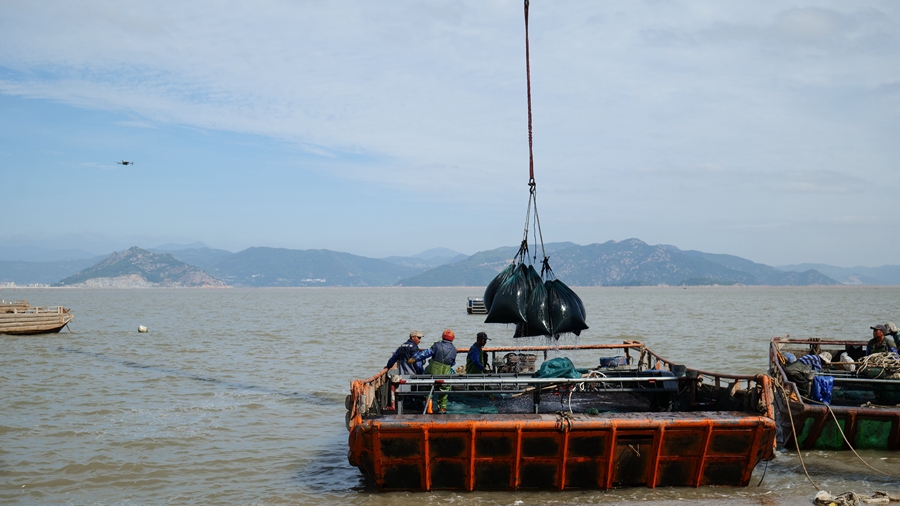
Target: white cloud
[{"x": 684, "y": 101}]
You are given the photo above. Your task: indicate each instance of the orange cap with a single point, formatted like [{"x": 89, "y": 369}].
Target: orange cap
[{"x": 448, "y": 335}]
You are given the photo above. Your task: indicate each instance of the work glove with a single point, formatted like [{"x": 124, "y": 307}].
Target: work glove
[{"x": 411, "y": 361}]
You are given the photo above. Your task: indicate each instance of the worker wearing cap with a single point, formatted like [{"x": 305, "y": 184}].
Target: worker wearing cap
[
  {"x": 879, "y": 343},
  {"x": 403, "y": 357},
  {"x": 891, "y": 330},
  {"x": 443, "y": 358},
  {"x": 476, "y": 360}
]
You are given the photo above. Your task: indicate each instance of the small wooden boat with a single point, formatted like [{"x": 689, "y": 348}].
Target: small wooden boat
[
  {"x": 642, "y": 421},
  {"x": 864, "y": 408},
  {"x": 21, "y": 318}
]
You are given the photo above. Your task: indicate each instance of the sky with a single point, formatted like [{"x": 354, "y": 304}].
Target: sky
[{"x": 767, "y": 130}]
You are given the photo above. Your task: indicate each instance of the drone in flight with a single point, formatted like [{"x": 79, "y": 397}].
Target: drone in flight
[{"x": 125, "y": 162}]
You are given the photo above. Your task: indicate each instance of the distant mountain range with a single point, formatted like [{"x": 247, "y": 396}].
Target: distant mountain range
[
  {"x": 884, "y": 275},
  {"x": 626, "y": 263},
  {"x": 631, "y": 262}
]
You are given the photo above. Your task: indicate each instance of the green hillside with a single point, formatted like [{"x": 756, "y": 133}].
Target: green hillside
[
  {"x": 631, "y": 262},
  {"x": 137, "y": 266},
  {"x": 286, "y": 267}
]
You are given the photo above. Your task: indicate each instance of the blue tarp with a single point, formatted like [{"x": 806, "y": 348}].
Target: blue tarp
[{"x": 821, "y": 389}]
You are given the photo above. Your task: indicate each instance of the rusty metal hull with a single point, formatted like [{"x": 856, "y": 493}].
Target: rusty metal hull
[
  {"x": 865, "y": 428},
  {"x": 714, "y": 431},
  {"x": 466, "y": 452},
  {"x": 866, "y": 425}
]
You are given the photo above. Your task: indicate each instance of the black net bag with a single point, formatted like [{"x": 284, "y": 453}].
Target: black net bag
[
  {"x": 566, "y": 309},
  {"x": 508, "y": 304}
]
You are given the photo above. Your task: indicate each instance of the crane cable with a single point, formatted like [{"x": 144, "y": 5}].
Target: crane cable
[{"x": 532, "y": 186}]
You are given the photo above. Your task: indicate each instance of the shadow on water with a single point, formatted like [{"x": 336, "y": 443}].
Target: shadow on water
[
  {"x": 316, "y": 399},
  {"x": 328, "y": 471}
]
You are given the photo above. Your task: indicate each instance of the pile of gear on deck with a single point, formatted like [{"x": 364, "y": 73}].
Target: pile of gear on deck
[{"x": 853, "y": 362}]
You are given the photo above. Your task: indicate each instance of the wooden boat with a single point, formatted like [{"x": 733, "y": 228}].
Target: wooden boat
[
  {"x": 21, "y": 318},
  {"x": 864, "y": 408},
  {"x": 649, "y": 423}
]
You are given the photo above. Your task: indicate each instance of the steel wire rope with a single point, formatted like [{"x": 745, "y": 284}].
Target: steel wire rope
[{"x": 532, "y": 193}]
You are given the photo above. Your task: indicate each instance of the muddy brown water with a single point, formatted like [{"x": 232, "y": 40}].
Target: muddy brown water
[{"x": 237, "y": 396}]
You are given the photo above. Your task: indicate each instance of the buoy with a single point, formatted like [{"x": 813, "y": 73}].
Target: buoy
[{"x": 142, "y": 328}]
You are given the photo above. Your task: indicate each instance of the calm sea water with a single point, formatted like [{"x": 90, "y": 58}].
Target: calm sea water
[{"x": 237, "y": 396}]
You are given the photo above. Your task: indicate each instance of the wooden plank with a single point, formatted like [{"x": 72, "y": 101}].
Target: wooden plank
[
  {"x": 32, "y": 321},
  {"x": 26, "y": 317},
  {"x": 56, "y": 323},
  {"x": 35, "y": 330}
]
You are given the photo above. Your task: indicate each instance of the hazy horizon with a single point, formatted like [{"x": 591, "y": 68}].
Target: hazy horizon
[{"x": 6, "y": 256}]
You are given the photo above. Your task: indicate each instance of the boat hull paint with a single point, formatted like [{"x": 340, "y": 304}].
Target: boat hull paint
[
  {"x": 865, "y": 427},
  {"x": 710, "y": 441},
  {"x": 512, "y": 452}
]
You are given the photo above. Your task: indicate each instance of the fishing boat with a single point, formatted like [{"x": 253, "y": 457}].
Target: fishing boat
[
  {"x": 860, "y": 410},
  {"x": 21, "y": 318},
  {"x": 475, "y": 305},
  {"x": 637, "y": 420}
]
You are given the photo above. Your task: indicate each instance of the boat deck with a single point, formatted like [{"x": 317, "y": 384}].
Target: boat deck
[
  {"x": 602, "y": 419},
  {"x": 679, "y": 427}
]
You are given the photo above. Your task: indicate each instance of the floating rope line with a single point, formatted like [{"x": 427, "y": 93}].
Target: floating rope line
[
  {"x": 838, "y": 425},
  {"x": 766, "y": 468}
]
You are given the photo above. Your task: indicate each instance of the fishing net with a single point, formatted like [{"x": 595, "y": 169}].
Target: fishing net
[{"x": 559, "y": 367}]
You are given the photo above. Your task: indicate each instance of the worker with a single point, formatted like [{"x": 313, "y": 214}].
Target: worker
[
  {"x": 443, "y": 358},
  {"x": 817, "y": 362},
  {"x": 403, "y": 357},
  {"x": 879, "y": 343},
  {"x": 476, "y": 360}
]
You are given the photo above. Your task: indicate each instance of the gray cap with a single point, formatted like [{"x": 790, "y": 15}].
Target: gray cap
[{"x": 882, "y": 328}]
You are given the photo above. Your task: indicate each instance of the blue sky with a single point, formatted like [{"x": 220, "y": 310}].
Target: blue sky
[{"x": 766, "y": 130}]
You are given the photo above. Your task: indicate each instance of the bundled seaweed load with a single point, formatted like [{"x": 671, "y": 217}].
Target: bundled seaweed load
[{"x": 539, "y": 304}]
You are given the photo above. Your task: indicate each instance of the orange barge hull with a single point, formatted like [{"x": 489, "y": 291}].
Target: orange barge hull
[
  {"x": 465, "y": 452},
  {"x": 717, "y": 430}
]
